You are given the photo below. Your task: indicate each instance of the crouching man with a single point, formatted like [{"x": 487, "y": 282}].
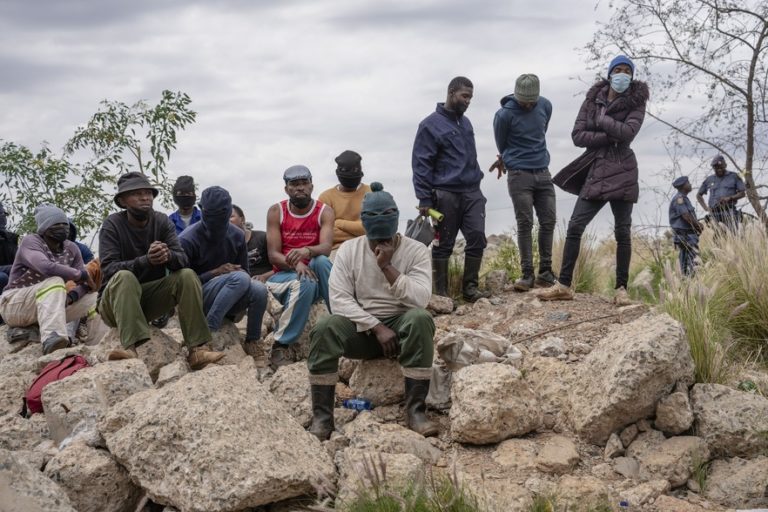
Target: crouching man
[
  {"x": 37, "y": 293},
  {"x": 379, "y": 287},
  {"x": 145, "y": 274}
]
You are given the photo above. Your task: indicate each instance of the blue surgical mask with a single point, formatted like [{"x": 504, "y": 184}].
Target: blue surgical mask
[{"x": 620, "y": 82}]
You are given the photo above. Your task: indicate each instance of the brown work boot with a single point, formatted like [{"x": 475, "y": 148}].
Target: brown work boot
[
  {"x": 255, "y": 349},
  {"x": 621, "y": 298},
  {"x": 202, "y": 356},
  {"x": 557, "y": 292},
  {"x": 119, "y": 354}
]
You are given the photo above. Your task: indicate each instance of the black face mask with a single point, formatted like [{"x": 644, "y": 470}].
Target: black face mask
[
  {"x": 300, "y": 202},
  {"x": 184, "y": 201},
  {"x": 58, "y": 234},
  {"x": 350, "y": 182},
  {"x": 139, "y": 214}
]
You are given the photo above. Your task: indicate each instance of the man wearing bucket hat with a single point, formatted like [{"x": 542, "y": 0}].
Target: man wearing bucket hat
[
  {"x": 299, "y": 239},
  {"x": 682, "y": 220},
  {"x": 345, "y": 198},
  {"x": 145, "y": 274},
  {"x": 379, "y": 287},
  {"x": 36, "y": 291},
  {"x": 725, "y": 188}
]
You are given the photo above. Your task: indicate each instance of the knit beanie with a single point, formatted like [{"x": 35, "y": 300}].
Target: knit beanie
[
  {"x": 348, "y": 164},
  {"x": 184, "y": 184},
  {"x": 379, "y": 213},
  {"x": 527, "y": 88},
  {"x": 621, "y": 59},
  {"x": 47, "y": 215}
]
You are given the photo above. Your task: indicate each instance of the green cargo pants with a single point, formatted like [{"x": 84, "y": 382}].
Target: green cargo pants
[
  {"x": 129, "y": 305},
  {"x": 335, "y": 336}
]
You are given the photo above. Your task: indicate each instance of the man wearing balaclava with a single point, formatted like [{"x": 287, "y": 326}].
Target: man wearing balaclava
[
  {"x": 379, "y": 288},
  {"x": 345, "y": 198},
  {"x": 36, "y": 291},
  {"x": 217, "y": 253},
  {"x": 184, "y": 197}
]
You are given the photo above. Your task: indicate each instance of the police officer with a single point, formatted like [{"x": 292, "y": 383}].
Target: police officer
[
  {"x": 725, "y": 188},
  {"x": 682, "y": 220}
]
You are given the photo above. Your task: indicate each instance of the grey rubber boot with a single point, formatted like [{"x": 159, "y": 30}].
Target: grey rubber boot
[
  {"x": 323, "y": 399},
  {"x": 416, "y": 407}
]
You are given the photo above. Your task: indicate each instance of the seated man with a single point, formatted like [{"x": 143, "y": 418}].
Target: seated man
[
  {"x": 256, "y": 244},
  {"x": 145, "y": 275},
  {"x": 216, "y": 251},
  {"x": 299, "y": 236},
  {"x": 379, "y": 288},
  {"x": 36, "y": 292},
  {"x": 85, "y": 251},
  {"x": 346, "y": 198}
]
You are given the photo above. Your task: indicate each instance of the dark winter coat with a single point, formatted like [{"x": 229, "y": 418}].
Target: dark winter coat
[{"x": 606, "y": 130}]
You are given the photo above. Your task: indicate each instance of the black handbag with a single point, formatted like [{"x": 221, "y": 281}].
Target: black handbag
[
  {"x": 572, "y": 177},
  {"x": 420, "y": 229}
]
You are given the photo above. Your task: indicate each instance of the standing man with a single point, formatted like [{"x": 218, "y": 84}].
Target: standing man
[
  {"x": 446, "y": 177},
  {"x": 725, "y": 188},
  {"x": 145, "y": 274},
  {"x": 380, "y": 285},
  {"x": 346, "y": 198},
  {"x": 520, "y": 126},
  {"x": 184, "y": 196},
  {"x": 682, "y": 220},
  {"x": 217, "y": 253},
  {"x": 299, "y": 239}
]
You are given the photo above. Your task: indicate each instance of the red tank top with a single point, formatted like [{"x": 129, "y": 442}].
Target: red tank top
[{"x": 297, "y": 231}]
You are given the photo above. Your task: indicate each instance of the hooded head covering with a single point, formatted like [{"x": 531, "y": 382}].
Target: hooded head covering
[
  {"x": 379, "y": 213},
  {"x": 348, "y": 169},
  {"x": 216, "y": 205},
  {"x": 47, "y": 215}
]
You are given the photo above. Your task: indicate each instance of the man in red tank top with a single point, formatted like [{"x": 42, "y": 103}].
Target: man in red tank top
[{"x": 299, "y": 240}]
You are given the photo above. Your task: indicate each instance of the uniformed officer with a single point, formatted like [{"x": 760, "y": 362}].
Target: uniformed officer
[
  {"x": 725, "y": 188},
  {"x": 682, "y": 220}
]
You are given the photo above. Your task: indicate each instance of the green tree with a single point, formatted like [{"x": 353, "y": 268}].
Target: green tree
[
  {"x": 117, "y": 139},
  {"x": 707, "y": 57}
]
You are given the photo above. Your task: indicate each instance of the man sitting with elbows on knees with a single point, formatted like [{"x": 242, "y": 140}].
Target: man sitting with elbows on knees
[
  {"x": 379, "y": 287},
  {"x": 36, "y": 291}
]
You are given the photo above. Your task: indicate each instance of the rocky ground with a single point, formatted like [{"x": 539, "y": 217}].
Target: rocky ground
[{"x": 580, "y": 400}]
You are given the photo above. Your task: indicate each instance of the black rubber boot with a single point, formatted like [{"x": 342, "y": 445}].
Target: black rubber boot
[
  {"x": 416, "y": 408},
  {"x": 440, "y": 276},
  {"x": 469, "y": 283},
  {"x": 323, "y": 398}
]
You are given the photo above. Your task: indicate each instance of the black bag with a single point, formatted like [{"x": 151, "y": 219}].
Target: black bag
[
  {"x": 420, "y": 229},
  {"x": 572, "y": 177}
]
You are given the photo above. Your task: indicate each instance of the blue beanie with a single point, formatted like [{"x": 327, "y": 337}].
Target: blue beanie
[
  {"x": 621, "y": 59},
  {"x": 379, "y": 213}
]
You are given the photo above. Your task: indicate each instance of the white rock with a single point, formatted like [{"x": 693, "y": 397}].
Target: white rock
[
  {"x": 367, "y": 433},
  {"x": 378, "y": 380},
  {"x": 517, "y": 454},
  {"x": 440, "y": 305},
  {"x": 738, "y": 483},
  {"x": 674, "y": 460},
  {"x": 175, "y": 442},
  {"x": 575, "y": 491},
  {"x": 492, "y": 402},
  {"x": 361, "y": 470},
  {"x": 613, "y": 447},
  {"x": 732, "y": 422},
  {"x": 629, "y": 434},
  {"x": 623, "y": 378},
  {"x": 645, "y": 443},
  {"x": 93, "y": 480},
  {"x": 645, "y": 493},
  {"x": 24, "y": 488},
  {"x": 172, "y": 372},
  {"x": 549, "y": 347},
  {"x": 627, "y": 467},
  {"x": 290, "y": 386},
  {"x": 557, "y": 456},
  {"x": 17, "y": 433},
  {"x": 674, "y": 414}
]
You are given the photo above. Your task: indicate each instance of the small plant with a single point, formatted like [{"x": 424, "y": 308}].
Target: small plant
[
  {"x": 700, "y": 472},
  {"x": 543, "y": 503},
  {"x": 507, "y": 258},
  {"x": 455, "y": 275},
  {"x": 587, "y": 274}
]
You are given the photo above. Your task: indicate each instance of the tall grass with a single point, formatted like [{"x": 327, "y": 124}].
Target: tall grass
[{"x": 588, "y": 275}]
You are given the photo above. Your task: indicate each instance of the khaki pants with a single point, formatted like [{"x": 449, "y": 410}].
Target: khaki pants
[{"x": 44, "y": 303}]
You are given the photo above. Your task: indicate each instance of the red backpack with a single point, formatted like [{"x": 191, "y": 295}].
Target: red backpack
[{"x": 53, "y": 371}]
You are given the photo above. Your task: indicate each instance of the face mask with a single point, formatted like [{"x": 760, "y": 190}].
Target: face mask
[
  {"x": 184, "y": 201},
  {"x": 350, "y": 182},
  {"x": 620, "y": 82},
  {"x": 300, "y": 202},
  {"x": 58, "y": 234},
  {"x": 139, "y": 214}
]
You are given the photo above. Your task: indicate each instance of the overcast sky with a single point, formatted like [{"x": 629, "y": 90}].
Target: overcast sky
[{"x": 297, "y": 82}]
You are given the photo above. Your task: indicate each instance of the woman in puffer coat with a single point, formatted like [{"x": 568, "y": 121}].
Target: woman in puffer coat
[{"x": 608, "y": 121}]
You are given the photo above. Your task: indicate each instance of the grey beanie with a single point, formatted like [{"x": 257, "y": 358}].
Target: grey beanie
[
  {"x": 527, "y": 88},
  {"x": 47, "y": 215}
]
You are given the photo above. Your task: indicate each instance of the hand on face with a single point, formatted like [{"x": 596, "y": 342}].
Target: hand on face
[{"x": 384, "y": 249}]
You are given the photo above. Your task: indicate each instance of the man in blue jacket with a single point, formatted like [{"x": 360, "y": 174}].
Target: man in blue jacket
[
  {"x": 446, "y": 177},
  {"x": 520, "y": 128},
  {"x": 217, "y": 253}
]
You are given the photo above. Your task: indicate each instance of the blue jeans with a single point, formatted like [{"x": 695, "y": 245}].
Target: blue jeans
[
  {"x": 297, "y": 296},
  {"x": 233, "y": 293}
]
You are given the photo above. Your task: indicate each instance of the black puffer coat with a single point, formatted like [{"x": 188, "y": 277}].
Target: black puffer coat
[{"x": 607, "y": 130}]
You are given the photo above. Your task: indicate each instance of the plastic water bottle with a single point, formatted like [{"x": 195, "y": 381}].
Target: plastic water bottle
[
  {"x": 624, "y": 506},
  {"x": 358, "y": 404}
]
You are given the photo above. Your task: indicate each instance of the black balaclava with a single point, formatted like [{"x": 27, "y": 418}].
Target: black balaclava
[
  {"x": 216, "y": 205},
  {"x": 184, "y": 184},
  {"x": 349, "y": 170}
]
